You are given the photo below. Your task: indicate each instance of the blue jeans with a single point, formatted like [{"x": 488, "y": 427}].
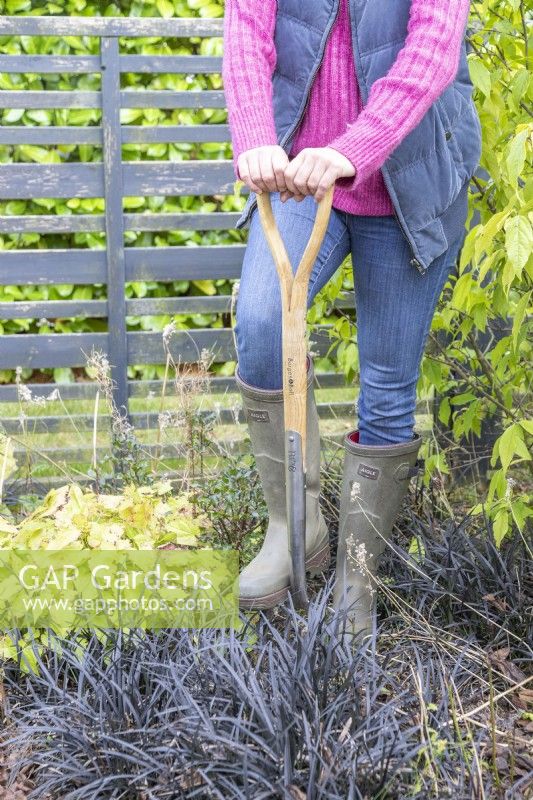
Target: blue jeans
[{"x": 394, "y": 306}]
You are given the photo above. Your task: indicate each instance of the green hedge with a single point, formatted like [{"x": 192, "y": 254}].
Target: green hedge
[{"x": 87, "y": 153}]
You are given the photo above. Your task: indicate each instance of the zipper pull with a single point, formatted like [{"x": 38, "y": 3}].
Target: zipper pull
[{"x": 416, "y": 263}]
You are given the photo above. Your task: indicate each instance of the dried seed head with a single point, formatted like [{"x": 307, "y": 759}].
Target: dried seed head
[
  {"x": 359, "y": 558},
  {"x": 24, "y": 393},
  {"x": 168, "y": 332},
  {"x": 98, "y": 364},
  {"x": 170, "y": 419},
  {"x": 206, "y": 359},
  {"x": 355, "y": 491}
]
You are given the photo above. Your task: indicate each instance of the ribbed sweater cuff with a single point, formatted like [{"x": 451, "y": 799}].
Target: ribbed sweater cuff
[
  {"x": 367, "y": 146},
  {"x": 249, "y": 132}
]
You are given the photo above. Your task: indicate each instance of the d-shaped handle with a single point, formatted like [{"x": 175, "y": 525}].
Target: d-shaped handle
[{"x": 279, "y": 253}]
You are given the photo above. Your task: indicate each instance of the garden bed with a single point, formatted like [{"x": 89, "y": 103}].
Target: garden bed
[{"x": 436, "y": 703}]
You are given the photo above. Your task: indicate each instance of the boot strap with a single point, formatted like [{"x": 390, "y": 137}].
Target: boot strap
[
  {"x": 405, "y": 471},
  {"x": 418, "y": 467}
]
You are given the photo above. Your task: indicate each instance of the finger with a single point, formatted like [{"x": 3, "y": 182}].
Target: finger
[
  {"x": 291, "y": 191},
  {"x": 255, "y": 170},
  {"x": 291, "y": 196},
  {"x": 289, "y": 173},
  {"x": 318, "y": 170},
  {"x": 302, "y": 176},
  {"x": 244, "y": 172},
  {"x": 328, "y": 177},
  {"x": 279, "y": 162},
  {"x": 267, "y": 170}
]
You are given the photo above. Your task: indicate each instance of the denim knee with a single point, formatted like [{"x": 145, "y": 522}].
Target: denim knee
[{"x": 258, "y": 344}]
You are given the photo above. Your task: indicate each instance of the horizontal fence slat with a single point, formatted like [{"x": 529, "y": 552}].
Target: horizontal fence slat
[
  {"x": 52, "y": 309},
  {"x": 148, "y": 134},
  {"x": 154, "y": 306},
  {"x": 36, "y": 351},
  {"x": 70, "y": 223},
  {"x": 43, "y": 485},
  {"x": 29, "y": 98},
  {"x": 39, "y": 351},
  {"x": 192, "y": 178},
  {"x": 148, "y": 98},
  {"x": 110, "y": 26},
  {"x": 45, "y": 267},
  {"x": 84, "y": 455},
  {"x": 143, "y": 421},
  {"x": 43, "y": 135},
  {"x": 137, "y": 307},
  {"x": 50, "y": 64},
  {"x": 131, "y": 134},
  {"x": 146, "y": 64},
  {"x": 221, "y": 384},
  {"x": 132, "y": 98},
  {"x": 147, "y": 348},
  {"x": 23, "y": 181},
  {"x": 184, "y": 263},
  {"x": 86, "y": 390},
  {"x": 48, "y": 223},
  {"x": 210, "y": 221}
]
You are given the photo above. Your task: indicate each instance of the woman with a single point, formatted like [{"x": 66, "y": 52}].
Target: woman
[{"x": 373, "y": 96}]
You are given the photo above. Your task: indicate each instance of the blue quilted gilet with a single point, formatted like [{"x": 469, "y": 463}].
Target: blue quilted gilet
[{"x": 428, "y": 174}]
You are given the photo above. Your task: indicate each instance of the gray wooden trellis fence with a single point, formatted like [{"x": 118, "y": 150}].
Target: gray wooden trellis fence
[{"x": 113, "y": 179}]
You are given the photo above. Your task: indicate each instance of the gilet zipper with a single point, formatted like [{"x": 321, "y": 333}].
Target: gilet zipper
[
  {"x": 413, "y": 260},
  {"x": 289, "y": 134}
]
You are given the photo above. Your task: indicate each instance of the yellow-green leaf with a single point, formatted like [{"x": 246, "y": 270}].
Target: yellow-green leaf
[
  {"x": 165, "y": 8},
  {"x": 516, "y": 155},
  {"x": 500, "y": 526},
  {"x": 480, "y": 75},
  {"x": 518, "y": 241},
  {"x": 8, "y": 462},
  {"x": 519, "y": 315},
  {"x": 511, "y": 443}
]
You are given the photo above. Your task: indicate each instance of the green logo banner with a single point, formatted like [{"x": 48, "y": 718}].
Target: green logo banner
[{"x": 69, "y": 589}]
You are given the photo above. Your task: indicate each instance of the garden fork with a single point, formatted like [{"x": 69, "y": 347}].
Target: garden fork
[{"x": 294, "y": 291}]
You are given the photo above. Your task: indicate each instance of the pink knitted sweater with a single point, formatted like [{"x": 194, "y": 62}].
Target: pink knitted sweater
[{"x": 335, "y": 116}]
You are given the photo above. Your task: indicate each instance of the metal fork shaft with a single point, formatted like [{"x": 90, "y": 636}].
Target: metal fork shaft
[{"x": 295, "y": 483}]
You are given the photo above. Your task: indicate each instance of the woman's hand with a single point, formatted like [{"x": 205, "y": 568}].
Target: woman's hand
[
  {"x": 263, "y": 168},
  {"x": 313, "y": 171}
]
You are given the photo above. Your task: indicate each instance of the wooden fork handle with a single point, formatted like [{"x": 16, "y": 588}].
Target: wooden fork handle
[{"x": 294, "y": 291}]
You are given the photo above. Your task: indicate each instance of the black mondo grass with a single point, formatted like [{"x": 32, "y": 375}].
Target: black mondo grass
[
  {"x": 281, "y": 709},
  {"x": 433, "y": 704}
]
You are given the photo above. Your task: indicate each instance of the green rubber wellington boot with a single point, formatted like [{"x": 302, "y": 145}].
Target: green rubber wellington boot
[
  {"x": 374, "y": 483},
  {"x": 265, "y": 581}
]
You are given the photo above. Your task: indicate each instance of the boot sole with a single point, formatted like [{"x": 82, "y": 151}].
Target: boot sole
[{"x": 316, "y": 563}]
